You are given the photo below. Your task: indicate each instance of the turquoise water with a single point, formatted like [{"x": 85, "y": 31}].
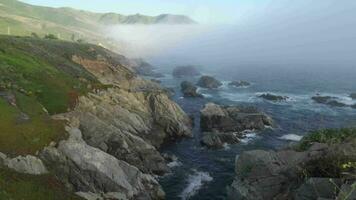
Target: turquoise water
[{"x": 204, "y": 174}]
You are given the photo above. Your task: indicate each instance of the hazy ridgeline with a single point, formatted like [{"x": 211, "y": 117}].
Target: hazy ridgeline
[{"x": 318, "y": 33}]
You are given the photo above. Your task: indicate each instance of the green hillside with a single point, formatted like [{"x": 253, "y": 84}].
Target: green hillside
[
  {"x": 37, "y": 79},
  {"x": 18, "y": 18}
]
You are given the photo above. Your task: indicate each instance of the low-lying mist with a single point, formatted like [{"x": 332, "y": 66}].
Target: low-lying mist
[{"x": 318, "y": 33}]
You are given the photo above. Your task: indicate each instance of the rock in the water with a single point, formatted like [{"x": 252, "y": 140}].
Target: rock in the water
[
  {"x": 218, "y": 140},
  {"x": 272, "y": 97},
  {"x": 24, "y": 164},
  {"x": 84, "y": 168},
  {"x": 225, "y": 124},
  {"x": 185, "y": 71},
  {"x": 209, "y": 82},
  {"x": 239, "y": 83},
  {"x": 189, "y": 89},
  {"x": 353, "y": 95},
  {"x": 328, "y": 100},
  {"x": 353, "y": 106},
  {"x": 232, "y": 118}
]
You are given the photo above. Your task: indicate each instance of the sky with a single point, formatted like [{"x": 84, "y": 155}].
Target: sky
[{"x": 203, "y": 11}]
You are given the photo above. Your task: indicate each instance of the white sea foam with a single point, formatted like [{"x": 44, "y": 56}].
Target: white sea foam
[
  {"x": 174, "y": 164},
  {"x": 226, "y": 146},
  {"x": 291, "y": 137},
  {"x": 195, "y": 183},
  {"x": 248, "y": 136}
]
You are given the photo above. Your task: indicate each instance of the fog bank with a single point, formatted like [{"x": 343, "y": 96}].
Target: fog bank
[{"x": 277, "y": 32}]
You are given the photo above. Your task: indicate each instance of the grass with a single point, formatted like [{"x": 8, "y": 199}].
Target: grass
[
  {"x": 27, "y": 137},
  {"x": 44, "y": 80},
  {"x": 17, "y": 186},
  {"x": 328, "y": 136}
]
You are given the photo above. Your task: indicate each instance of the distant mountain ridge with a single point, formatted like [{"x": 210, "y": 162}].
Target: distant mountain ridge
[{"x": 18, "y": 18}]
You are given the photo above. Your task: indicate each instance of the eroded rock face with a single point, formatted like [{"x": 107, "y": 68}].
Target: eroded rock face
[
  {"x": 209, "y": 82},
  {"x": 185, "y": 71},
  {"x": 84, "y": 168},
  {"x": 189, "y": 89},
  {"x": 132, "y": 125},
  {"x": 277, "y": 174}
]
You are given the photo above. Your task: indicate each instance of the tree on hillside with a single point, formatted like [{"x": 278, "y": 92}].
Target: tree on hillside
[{"x": 51, "y": 37}]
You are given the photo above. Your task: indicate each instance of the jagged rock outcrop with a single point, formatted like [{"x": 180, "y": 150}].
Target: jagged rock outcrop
[
  {"x": 83, "y": 168},
  {"x": 185, "y": 71},
  {"x": 279, "y": 174},
  {"x": 130, "y": 120},
  {"x": 225, "y": 124},
  {"x": 209, "y": 82},
  {"x": 24, "y": 164},
  {"x": 189, "y": 89},
  {"x": 144, "y": 68}
]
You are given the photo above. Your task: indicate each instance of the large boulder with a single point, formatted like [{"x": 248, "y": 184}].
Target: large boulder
[
  {"x": 218, "y": 140},
  {"x": 286, "y": 174},
  {"x": 185, "y": 71},
  {"x": 209, "y": 82},
  {"x": 232, "y": 118},
  {"x": 86, "y": 169},
  {"x": 226, "y": 124},
  {"x": 189, "y": 89}
]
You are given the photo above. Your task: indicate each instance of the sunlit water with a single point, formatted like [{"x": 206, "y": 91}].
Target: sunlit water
[{"x": 202, "y": 173}]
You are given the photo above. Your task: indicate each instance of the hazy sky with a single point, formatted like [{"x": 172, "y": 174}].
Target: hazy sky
[{"x": 204, "y": 11}]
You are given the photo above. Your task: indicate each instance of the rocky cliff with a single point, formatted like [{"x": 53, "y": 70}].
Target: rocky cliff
[
  {"x": 116, "y": 122},
  {"x": 321, "y": 166}
]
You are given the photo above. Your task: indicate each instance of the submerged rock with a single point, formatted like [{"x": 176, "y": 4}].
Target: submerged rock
[
  {"x": 209, "y": 82},
  {"x": 272, "y": 97},
  {"x": 239, "y": 83},
  {"x": 225, "y": 124},
  {"x": 328, "y": 100},
  {"x": 184, "y": 71},
  {"x": 353, "y": 95},
  {"x": 189, "y": 89}
]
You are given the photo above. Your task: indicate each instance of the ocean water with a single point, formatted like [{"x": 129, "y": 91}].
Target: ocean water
[{"x": 202, "y": 173}]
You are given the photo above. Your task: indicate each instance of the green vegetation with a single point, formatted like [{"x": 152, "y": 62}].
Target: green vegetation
[
  {"x": 17, "y": 186},
  {"x": 37, "y": 79},
  {"x": 328, "y": 136}
]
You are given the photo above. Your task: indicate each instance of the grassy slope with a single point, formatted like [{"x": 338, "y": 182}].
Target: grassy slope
[
  {"x": 42, "y": 77},
  {"x": 37, "y": 75},
  {"x": 17, "y": 186}
]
